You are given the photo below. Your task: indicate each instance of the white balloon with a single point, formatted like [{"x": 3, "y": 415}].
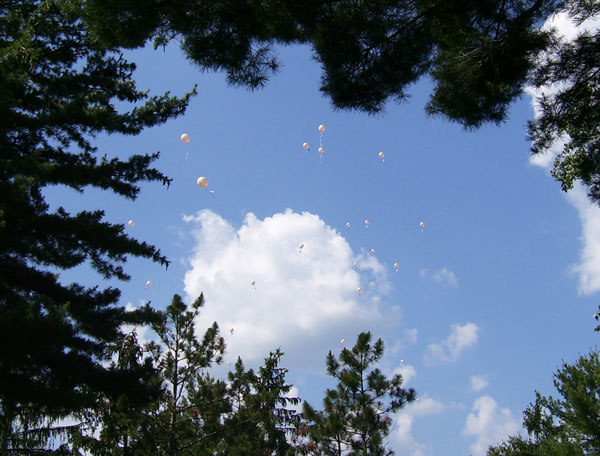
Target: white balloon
[
  {"x": 306, "y": 146},
  {"x": 301, "y": 246},
  {"x": 381, "y": 155},
  {"x": 359, "y": 289},
  {"x": 354, "y": 264},
  {"x": 342, "y": 341},
  {"x": 321, "y": 128},
  {"x": 148, "y": 283},
  {"x": 202, "y": 182},
  {"x": 185, "y": 138},
  {"x": 231, "y": 331},
  {"x": 422, "y": 224},
  {"x": 396, "y": 265},
  {"x": 253, "y": 282},
  {"x": 131, "y": 223},
  {"x": 321, "y": 150},
  {"x": 373, "y": 251},
  {"x": 367, "y": 223},
  {"x": 347, "y": 224}
]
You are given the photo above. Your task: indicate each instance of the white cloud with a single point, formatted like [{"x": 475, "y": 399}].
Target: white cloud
[
  {"x": 478, "y": 382},
  {"x": 304, "y": 300},
  {"x": 446, "y": 276},
  {"x": 489, "y": 424},
  {"x": 401, "y": 437},
  {"x": 588, "y": 268},
  {"x": 460, "y": 338},
  {"x": 406, "y": 339}
]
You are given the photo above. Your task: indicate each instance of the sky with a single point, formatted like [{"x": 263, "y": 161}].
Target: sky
[{"x": 497, "y": 274}]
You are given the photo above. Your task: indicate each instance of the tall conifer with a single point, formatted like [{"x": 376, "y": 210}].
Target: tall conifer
[{"x": 61, "y": 88}]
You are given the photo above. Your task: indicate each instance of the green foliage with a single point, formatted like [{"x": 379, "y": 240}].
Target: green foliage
[
  {"x": 191, "y": 412},
  {"x": 569, "y": 115},
  {"x": 567, "y": 426},
  {"x": 60, "y": 88},
  {"x": 260, "y": 418},
  {"x": 479, "y": 53},
  {"x": 356, "y": 416}
]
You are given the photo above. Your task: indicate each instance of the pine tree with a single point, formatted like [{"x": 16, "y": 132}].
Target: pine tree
[
  {"x": 356, "y": 415},
  {"x": 570, "y": 112},
  {"x": 183, "y": 368},
  {"x": 60, "y": 88},
  {"x": 195, "y": 413},
  {"x": 261, "y": 418},
  {"x": 564, "y": 426}
]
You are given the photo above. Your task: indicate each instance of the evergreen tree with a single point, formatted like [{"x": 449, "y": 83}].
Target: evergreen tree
[
  {"x": 261, "y": 418},
  {"x": 356, "y": 414},
  {"x": 195, "y": 413},
  {"x": 120, "y": 425},
  {"x": 565, "y": 426},
  {"x": 182, "y": 359},
  {"x": 60, "y": 88}
]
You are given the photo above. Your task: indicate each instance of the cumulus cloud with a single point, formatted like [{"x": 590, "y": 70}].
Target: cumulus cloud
[
  {"x": 446, "y": 276},
  {"x": 478, "y": 382},
  {"x": 259, "y": 280},
  {"x": 460, "y": 338},
  {"x": 489, "y": 424},
  {"x": 402, "y": 438}
]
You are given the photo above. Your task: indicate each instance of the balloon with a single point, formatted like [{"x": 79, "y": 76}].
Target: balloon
[
  {"x": 306, "y": 146},
  {"x": 359, "y": 289},
  {"x": 321, "y": 150},
  {"x": 131, "y": 223},
  {"x": 202, "y": 182},
  {"x": 422, "y": 224},
  {"x": 342, "y": 341},
  {"x": 347, "y": 224},
  {"x": 402, "y": 362},
  {"x": 354, "y": 264},
  {"x": 148, "y": 283},
  {"x": 366, "y": 223},
  {"x": 301, "y": 246},
  {"x": 231, "y": 331},
  {"x": 373, "y": 251},
  {"x": 253, "y": 282},
  {"x": 185, "y": 138},
  {"x": 381, "y": 155},
  {"x": 321, "y": 128},
  {"x": 396, "y": 265}
]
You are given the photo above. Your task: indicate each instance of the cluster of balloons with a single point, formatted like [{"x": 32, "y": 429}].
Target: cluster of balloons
[{"x": 321, "y": 148}]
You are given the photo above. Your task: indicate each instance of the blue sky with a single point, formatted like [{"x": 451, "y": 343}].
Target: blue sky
[{"x": 490, "y": 297}]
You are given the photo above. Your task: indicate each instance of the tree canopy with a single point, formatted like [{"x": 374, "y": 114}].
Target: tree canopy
[{"x": 479, "y": 55}]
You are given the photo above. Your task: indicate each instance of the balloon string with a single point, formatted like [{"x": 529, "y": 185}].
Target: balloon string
[{"x": 212, "y": 193}]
